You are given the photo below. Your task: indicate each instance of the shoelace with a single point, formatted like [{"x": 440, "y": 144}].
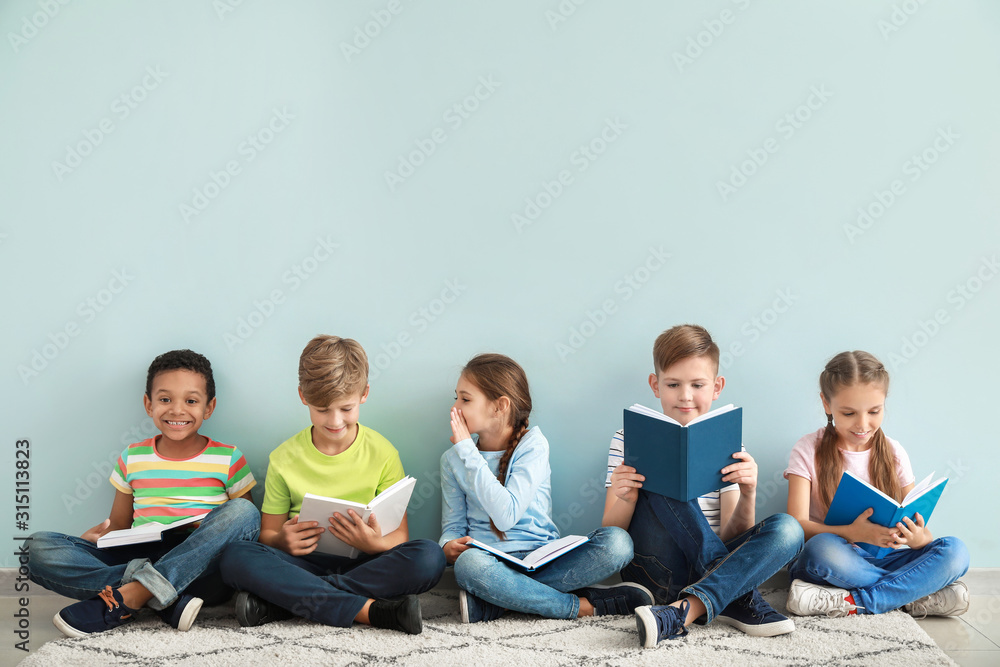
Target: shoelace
[
  {"x": 677, "y": 614},
  {"x": 756, "y": 605},
  {"x": 829, "y": 603},
  {"x": 108, "y": 595}
]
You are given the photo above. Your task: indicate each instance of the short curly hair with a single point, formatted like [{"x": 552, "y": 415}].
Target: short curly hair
[{"x": 181, "y": 360}]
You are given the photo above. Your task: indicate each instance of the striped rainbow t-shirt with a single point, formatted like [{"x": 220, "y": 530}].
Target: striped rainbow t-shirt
[{"x": 165, "y": 490}]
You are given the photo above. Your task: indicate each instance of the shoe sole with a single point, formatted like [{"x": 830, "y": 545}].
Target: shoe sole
[
  {"x": 645, "y": 623},
  {"x": 630, "y": 584},
  {"x": 190, "y": 613},
  {"x": 463, "y": 606},
  {"x": 68, "y": 629},
  {"x": 764, "y": 630}
]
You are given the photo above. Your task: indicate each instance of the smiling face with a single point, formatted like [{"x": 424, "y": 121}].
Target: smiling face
[
  {"x": 335, "y": 426},
  {"x": 857, "y": 412},
  {"x": 178, "y": 403},
  {"x": 687, "y": 388}
]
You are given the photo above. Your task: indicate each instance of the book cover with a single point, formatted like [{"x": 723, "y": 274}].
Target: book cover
[
  {"x": 540, "y": 556},
  {"x": 855, "y": 495},
  {"x": 682, "y": 462},
  {"x": 147, "y": 532},
  {"x": 389, "y": 508}
]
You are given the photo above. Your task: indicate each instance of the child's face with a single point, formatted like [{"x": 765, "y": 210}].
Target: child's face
[
  {"x": 178, "y": 403},
  {"x": 857, "y": 413},
  {"x": 687, "y": 388},
  {"x": 335, "y": 424},
  {"x": 478, "y": 410}
]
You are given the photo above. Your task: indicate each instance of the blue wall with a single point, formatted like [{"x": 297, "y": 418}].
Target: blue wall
[{"x": 554, "y": 181}]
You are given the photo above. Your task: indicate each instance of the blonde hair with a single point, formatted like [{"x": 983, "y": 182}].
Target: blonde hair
[
  {"x": 682, "y": 342},
  {"x": 330, "y": 368},
  {"x": 846, "y": 370}
]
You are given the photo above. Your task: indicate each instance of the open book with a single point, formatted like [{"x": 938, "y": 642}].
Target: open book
[
  {"x": 682, "y": 462},
  {"x": 539, "y": 556},
  {"x": 147, "y": 532},
  {"x": 854, "y": 496},
  {"x": 389, "y": 508}
]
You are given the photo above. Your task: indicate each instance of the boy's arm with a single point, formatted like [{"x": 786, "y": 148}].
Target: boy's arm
[
  {"x": 733, "y": 514},
  {"x": 621, "y": 496},
  {"x": 741, "y": 517},
  {"x": 280, "y": 532},
  {"x": 120, "y": 517}
]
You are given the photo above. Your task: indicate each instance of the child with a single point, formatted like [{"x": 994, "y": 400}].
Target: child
[
  {"x": 923, "y": 578},
  {"x": 704, "y": 557},
  {"x": 497, "y": 491},
  {"x": 283, "y": 574},
  {"x": 177, "y": 474}
]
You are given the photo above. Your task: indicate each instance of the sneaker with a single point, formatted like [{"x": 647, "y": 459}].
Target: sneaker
[
  {"x": 477, "y": 610},
  {"x": 660, "y": 622},
  {"x": 181, "y": 613},
  {"x": 253, "y": 610},
  {"x": 752, "y": 614},
  {"x": 805, "y": 599},
  {"x": 401, "y": 613},
  {"x": 951, "y": 600},
  {"x": 620, "y": 599},
  {"x": 105, "y": 611}
]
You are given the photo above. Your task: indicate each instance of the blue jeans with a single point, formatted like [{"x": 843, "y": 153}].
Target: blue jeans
[
  {"x": 677, "y": 554},
  {"x": 331, "y": 589},
  {"x": 545, "y": 591},
  {"x": 881, "y": 584},
  {"x": 182, "y": 562}
]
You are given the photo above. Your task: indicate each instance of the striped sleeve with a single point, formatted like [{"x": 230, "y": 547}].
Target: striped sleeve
[
  {"x": 119, "y": 476},
  {"x": 240, "y": 478},
  {"x": 616, "y": 454}
]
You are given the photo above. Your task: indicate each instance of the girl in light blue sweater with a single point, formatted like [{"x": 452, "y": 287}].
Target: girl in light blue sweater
[{"x": 497, "y": 490}]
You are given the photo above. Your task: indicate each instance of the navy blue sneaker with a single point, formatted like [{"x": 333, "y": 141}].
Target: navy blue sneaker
[
  {"x": 181, "y": 613},
  {"x": 477, "y": 610},
  {"x": 661, "y": 622},
  {"x": 620, "y": 599},
  {"x": 105, "y": 611},
  {"x": 754, "y": 616}
]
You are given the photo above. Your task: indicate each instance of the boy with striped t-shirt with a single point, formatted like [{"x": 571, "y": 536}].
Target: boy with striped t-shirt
[
  {"x": 176, "y": 475},
  {"x": 702, "y": 559}
]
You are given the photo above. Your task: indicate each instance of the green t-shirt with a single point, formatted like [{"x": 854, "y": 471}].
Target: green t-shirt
[{"x": 366, "y": 468}]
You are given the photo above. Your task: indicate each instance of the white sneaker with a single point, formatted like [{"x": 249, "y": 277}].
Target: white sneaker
[
  {"x": 805, "y": 599},
  {"x": 951, "y": 600}
]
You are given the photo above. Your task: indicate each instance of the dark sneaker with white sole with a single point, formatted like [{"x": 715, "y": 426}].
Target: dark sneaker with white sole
[
  {"x": 477, "y": 610},
  {"x": 618, "y": 600},
  {"x": 103, "y": 612},
  {"x": 752, "y": 614},
  {"x": 656, "y": 623},
  {"x": 181, "y": 613}
]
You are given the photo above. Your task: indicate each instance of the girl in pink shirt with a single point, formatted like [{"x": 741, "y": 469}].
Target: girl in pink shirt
[{"x": 833, "y": 575}]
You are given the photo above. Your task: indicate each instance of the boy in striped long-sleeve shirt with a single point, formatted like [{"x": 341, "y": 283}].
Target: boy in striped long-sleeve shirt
[{"x": 164, "y": 479}]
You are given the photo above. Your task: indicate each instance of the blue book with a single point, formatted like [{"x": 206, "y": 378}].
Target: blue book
[
  {"x": 854, "y": 496},
  {"x": 682, "y": 462}
]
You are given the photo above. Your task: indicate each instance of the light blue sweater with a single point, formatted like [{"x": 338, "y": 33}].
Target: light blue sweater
[{"x": 521, "y": 508}]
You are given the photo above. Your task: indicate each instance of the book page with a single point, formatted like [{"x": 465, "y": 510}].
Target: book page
[
  {"x": 551, "y": 549},
  {"x": 919, "y": 489},
  {"x": 649, "y": 412},
  {"x": 713, "y": 413},
  {"x": 389, "y": 506}
]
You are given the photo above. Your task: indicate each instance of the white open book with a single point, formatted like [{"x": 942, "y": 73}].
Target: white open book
[
  {"x": 389, "y": 508},
  {"x": 541, "y": 555},
  {"x": 147, "y": 532}
]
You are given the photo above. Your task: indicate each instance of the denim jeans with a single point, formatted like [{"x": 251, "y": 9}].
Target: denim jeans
[
  {"x": 331, "y": 589},
  {"x": 182, "y": 562},
  {"x": 545, "y": 591},
  {"x": 677, "y": 554},
  {"x": 881, "y": 584}
]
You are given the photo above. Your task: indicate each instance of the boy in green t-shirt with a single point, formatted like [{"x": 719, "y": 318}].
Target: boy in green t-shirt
[{"x": 283, "y": 574}]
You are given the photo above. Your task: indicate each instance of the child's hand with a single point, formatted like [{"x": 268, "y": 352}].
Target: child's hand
[
  {"x": 626, "y": 482},
  {"x": 92, "y": 534},
  {"x": 743, "y": 473},
  {"x": 911, "y": 533},
  {"x": 454, "y": 548},
  {"x": 459, "y": 429},
  {"x": 367, "y": 537},
  {"x": 863, "y": 530},
  {"x": 299, "y": 539}
]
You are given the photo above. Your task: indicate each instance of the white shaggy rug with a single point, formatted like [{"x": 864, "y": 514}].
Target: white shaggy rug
[{"x": 216, "y": 639}]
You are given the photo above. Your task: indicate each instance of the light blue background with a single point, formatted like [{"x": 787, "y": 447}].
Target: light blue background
[{"x": 888, "y": 89}]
